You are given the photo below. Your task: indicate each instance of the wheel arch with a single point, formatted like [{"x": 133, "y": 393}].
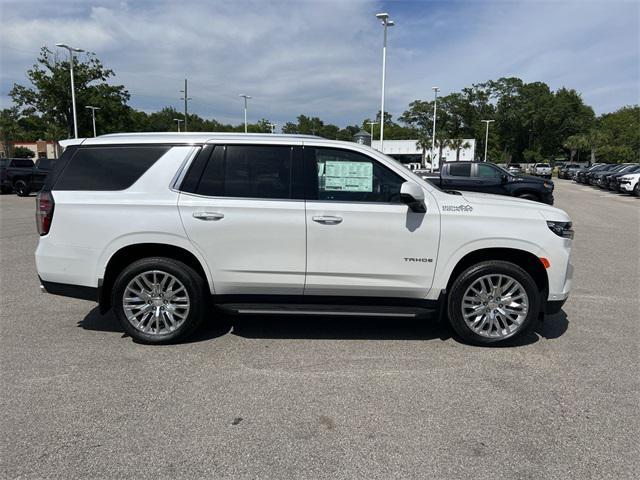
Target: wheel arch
[
  {"x": 524, "y": 259},
  {"x": 130, "y": 253}
]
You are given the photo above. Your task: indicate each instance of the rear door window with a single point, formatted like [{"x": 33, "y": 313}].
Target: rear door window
[
  {"x": 460, "y": 169},
  {"x": 248, "y": 171},
  {"x": 108, "y": 168}
]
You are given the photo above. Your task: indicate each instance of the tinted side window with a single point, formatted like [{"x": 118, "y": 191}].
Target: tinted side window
[
  {"x": 22, "y": 163},
  {"x": 460, "y": 169},
  {"x": 352, "y": 177},
  {"x": 108, "y": 168},
  {"x": 44, "y": 163},
  {"x": 248, "y": 171},
  {"x": 487, "y": 171}
]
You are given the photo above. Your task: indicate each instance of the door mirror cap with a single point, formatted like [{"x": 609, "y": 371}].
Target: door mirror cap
[
  {"x": 504, "y": 178},
  {"x": 412, "y": 195}
]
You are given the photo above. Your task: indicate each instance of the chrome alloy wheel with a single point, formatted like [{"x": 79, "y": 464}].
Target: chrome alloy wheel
[
  {"x": 495, "y": 306},
  {"x": 155, "y": 302}
]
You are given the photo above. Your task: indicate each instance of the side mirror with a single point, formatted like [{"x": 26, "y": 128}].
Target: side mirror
[
  {"x": 504, "y": 178},
  {"x": 412, "y": 195}
]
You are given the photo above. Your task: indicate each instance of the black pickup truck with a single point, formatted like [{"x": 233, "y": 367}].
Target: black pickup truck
[
  {"x": 22, "y": 176},
  {"x": 490, "y": 178}
]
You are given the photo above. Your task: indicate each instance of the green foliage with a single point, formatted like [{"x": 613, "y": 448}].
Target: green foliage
[
  {"x": 48, "y": 99},
  {"x": 23, "y": 152}
]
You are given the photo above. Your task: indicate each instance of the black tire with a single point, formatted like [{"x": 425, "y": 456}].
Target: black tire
[
  {"x": 636, "y": 190},
  {"x": 4, "y": 190},
  {"x": 193, "y": 283},
  {"x": 21, "y": 187},
  {"x": 466, "y": 279},
  {"x": 529, "y": 196}
]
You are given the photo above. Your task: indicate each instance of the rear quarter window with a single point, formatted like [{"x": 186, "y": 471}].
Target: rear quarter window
[{"x": 108, "y": 168}]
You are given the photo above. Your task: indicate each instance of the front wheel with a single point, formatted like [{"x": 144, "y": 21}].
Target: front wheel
[
  {"x": 21, "y": 188},
  {"x": 159, "y": 300},
  {"x": 636, "y": 189},
  {"x": 493, "y": 302}
]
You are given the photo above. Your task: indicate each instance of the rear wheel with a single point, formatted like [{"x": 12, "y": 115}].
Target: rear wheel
[
  {"x": 493, "y": 302},
  {"x": 159, "y": 300},
  {"x": 21, "y": 187}
]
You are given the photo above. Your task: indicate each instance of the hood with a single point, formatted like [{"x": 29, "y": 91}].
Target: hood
[
  {"x": 528, "y": 178},
  {"x": 490, "y": 200}
]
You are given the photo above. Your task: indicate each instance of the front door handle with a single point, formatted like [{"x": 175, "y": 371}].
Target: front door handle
[
  {"x": 208, "y": 216},
  {"x": 327, "y": 220}
]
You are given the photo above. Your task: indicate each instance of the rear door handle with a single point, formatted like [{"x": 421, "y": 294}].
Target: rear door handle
[
  {"x": 327, "y": 220},
  {"x": 208, "y": 216}
]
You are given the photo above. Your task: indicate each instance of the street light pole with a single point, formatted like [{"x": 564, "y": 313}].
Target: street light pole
[
  {"x": 486, "y": 138},
  {"x": 186, "y": 98},
  {"x": 273, "y": 127},
  {"x": 372, "y": 124},
  {"x": 433, "y": 133},
  {"x": 384, "y": 19},
  {"x": 73, "y": 89},
  {"x": 178, "y": 120},
  {"x": 93, "y": 117},
  {"x": 246, "y": 97}
]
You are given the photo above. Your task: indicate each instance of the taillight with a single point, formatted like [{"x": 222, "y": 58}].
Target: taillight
[{"x": 44, "y": 211}]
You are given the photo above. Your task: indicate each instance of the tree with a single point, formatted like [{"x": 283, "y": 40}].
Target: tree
[
  {"x": 458, "y": 144},
  {"x": 23, "y": 152},
  {"x": 49, "y": 95},
  {"x": 424, "y": 143},
  {"x": 574, "y": 144}
]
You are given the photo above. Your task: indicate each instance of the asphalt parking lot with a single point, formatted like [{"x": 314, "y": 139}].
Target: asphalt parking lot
[{"x": 327, "y": 398}]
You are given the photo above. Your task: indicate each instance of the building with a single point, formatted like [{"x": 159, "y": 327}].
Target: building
[
  {"x": 40, "y": 148},
  {"x": 407, "y": 151}
]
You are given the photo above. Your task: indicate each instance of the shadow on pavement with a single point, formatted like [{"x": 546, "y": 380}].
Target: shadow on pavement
[{"x": 328, "y": 328}]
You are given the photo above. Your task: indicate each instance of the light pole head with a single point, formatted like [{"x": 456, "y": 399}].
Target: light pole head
[
  {"x": 435, "y": 89},
  {"x": 384, "y": 19},
  {"x": 245, "y": 96},
  {"x": 71, "y": 49}
]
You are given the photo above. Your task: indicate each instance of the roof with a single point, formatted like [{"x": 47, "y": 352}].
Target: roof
[{"x": 181, "y": 137}]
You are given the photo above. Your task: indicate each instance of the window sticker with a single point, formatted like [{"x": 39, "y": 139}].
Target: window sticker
[{"x": 348, "y": 176}]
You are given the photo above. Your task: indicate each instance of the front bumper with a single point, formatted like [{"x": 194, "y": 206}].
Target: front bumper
[{"x": 626, "y": 186}]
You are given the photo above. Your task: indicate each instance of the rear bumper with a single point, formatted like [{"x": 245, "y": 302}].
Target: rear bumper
[{"x": 71, "y": 291}]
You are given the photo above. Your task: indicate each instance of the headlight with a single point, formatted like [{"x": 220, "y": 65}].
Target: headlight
[{"x": 562, "y": 229}]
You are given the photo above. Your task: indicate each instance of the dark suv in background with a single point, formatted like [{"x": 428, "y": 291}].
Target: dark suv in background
[{"x": 490, "y": 178}]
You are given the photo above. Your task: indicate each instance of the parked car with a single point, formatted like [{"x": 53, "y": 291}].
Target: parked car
[
  {"x": 567, "y": 169},
  {"x": 22, "y": 176},
  {"x": 580, "y": 175},
  {"x": 594, "y": 175},
  {"x": 630, "y": 183},
  {"x": 598, "y": 179},
  {"x": 490, "y": 178},
  {"x": 514, "y": 168},
  {"x": 605, "y": 180},
  {"x": 542, "y": 170},
  {"x": 288, "y": 224},
  {"x": 614, "y": 179}
]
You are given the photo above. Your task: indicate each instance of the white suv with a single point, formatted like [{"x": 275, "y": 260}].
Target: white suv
[
  {"x": 158, "y": 227},
  {"x": 630, "y": 183}
]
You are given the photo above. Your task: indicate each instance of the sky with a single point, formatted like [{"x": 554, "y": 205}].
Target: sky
[{"x": 324, "y": 58}]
